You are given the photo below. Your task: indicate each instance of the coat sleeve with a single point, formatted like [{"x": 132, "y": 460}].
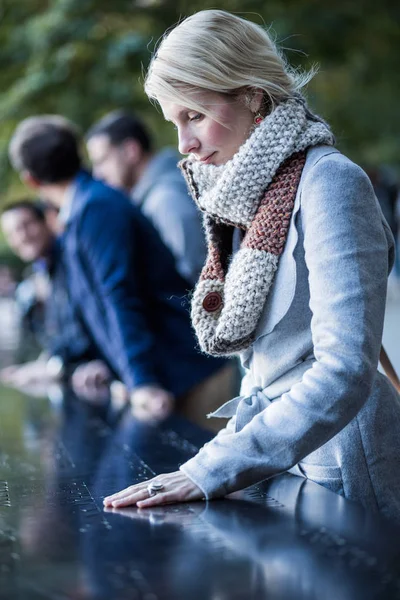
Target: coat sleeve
[
  {"x": 109, "y": 254},
  {"x": 346, "y": 253}
]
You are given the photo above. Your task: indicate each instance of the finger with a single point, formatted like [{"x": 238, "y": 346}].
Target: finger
[
  {"x": 141, "y": 413},
  {"x": 159, "y": 499},
  {"x": 159, "y": 408},
  {"x": 118, "y": 402},
  {"x": 7, "y": 371},
  {"x": 158, "y": 414},
  {"x": 127, "y": 492},
  {"x": 21, "y": 378},
  {"x": 131, "y": 499},
  {"x": 77, "y": 377},
  {"x": 9, "y": 374},
  {"x": 90, "y": 378},
  {"x": 88, "y": 394},
  {"x": 6, "y": 377},
  {"x": 119, "y": 391},
  {"x": 99, "y": 379}
]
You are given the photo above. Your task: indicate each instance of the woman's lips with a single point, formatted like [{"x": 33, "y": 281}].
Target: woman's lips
[{"x": 207, "y": 159}]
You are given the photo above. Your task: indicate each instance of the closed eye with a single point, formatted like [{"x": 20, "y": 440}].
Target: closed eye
[{"x": 195, "y": 117}]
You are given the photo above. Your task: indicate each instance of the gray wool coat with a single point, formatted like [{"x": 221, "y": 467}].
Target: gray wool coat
[{"x": 312, "y": 400}]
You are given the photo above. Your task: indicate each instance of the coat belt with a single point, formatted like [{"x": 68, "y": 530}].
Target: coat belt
[{"x": 246, "y": 407}]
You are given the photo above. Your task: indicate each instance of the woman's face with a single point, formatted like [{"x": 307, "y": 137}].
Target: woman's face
[{"x": 211, "y": 139}]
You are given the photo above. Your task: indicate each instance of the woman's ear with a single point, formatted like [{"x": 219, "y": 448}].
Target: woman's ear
[
  {"x": 256, "y": 100},
  {"x": 253, "y": 99}
]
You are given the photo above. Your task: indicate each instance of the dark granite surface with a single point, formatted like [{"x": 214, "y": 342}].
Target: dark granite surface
[{"x": 286, "y": 539}]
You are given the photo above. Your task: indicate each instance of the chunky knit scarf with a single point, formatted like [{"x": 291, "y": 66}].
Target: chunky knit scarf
[{"x": 253, "y": 191}]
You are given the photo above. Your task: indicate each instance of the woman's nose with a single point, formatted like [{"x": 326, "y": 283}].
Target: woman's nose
[{"x": 187, "y": 143}]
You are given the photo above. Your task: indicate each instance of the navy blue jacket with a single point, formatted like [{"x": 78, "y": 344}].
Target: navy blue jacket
[
  {"x": 123, "y": 280},
  {"x": 63, "y": 332}
]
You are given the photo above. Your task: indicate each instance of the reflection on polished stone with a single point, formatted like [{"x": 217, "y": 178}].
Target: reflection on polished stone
[{"x": 286, "y": 539}]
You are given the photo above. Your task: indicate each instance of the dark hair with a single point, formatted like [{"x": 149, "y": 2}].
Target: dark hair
[
  {"x": 46, "y": 206},
  {"x": 35, "y": 207},
  {"x": 47, "y": 147},
  {"x": 119, "y": 126}
]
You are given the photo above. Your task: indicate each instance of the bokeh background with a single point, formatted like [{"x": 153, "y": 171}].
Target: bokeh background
[{"x": 82, "y": 58}]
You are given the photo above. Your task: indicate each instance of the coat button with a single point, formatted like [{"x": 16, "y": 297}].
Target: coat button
[{"x": 212, "y": 302}]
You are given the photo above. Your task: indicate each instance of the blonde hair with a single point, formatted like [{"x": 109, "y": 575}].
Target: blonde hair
[{"x": 216, "y": 51}]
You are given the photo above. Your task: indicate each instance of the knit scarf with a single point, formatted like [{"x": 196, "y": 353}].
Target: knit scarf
[{"x": 255, "y": 192}]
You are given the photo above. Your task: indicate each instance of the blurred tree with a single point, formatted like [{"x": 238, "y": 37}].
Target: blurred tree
[{"x": 82, "y": 58}]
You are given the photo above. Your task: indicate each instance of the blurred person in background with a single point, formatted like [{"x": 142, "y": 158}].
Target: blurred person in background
[
  {"x": 29, "y": 229},
  {"x": 121, "y": 151},
  {"x": 121, "y": 279}
]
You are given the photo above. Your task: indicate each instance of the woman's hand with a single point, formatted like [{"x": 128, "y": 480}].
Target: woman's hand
[{"x": 177, "y": 488}]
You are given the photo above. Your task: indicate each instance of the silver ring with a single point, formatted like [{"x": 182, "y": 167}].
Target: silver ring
[{"x": 154, "y": 488}]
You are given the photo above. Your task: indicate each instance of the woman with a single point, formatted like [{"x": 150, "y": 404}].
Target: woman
[{"x": 295, "y": 278}]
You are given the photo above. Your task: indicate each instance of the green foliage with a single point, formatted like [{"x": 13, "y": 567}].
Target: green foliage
[
  {"x": 8, "y": 258},
  {"x": 82, "y": 58}
]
